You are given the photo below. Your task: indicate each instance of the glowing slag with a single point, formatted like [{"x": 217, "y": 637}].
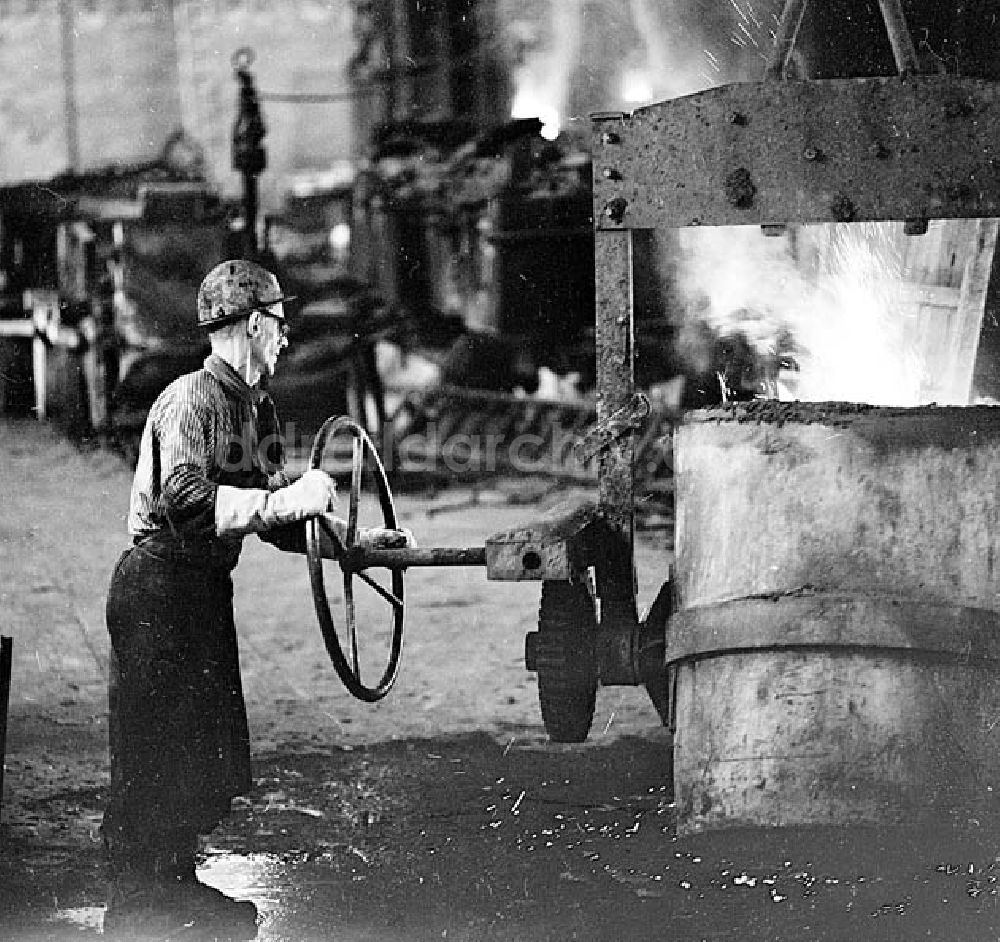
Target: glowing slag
[{"x": 830, "y": 305}]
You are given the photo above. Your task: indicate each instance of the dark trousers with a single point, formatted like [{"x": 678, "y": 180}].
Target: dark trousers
[{"x": 178, "y": 737}]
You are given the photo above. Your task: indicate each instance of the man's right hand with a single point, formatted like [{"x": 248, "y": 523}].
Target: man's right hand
[
  {"x": 239, "y": 511},
  {"x": 313, "y": 493}
]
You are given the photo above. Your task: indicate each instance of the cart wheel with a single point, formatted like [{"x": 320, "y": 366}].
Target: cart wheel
[
  {"x": 348, "y": 669},
  {"x": 562, "y": 652}
]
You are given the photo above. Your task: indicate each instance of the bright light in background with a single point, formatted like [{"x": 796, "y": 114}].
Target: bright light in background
[
  {"x": 551, "y": 55},
  {"x": 340, "y": 239},
  {"x": 550, "y": 124},
  {"x": 525, "y": 107},
  {"x": 636, "y": 87}
]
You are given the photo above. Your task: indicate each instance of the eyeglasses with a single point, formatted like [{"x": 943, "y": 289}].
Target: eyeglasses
[{"x": 282, "y": 324}]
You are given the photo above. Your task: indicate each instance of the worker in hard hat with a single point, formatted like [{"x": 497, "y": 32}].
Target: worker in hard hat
[{"x": 209, "y": 473}]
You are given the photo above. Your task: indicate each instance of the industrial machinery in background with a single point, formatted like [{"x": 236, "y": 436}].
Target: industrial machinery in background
[
  {"x": 99, "y": 274},
  {"x": 471, "y": 251}
]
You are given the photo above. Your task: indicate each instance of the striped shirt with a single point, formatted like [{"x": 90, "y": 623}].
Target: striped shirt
[{"x": 203, "y": 431}]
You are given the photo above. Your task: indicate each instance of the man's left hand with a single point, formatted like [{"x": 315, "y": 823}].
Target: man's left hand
[
  {"x": 368, "y": 538},
  {"x": 379, "y": 538}
]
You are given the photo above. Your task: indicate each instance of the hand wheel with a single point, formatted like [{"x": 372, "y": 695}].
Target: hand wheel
[{"x": 351, "y": 558}]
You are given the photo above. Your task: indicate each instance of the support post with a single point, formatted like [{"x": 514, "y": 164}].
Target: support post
[
  {"x": 903, "y": 50},
  {"x": 616, "y": 482},
  {"x": 6, "y": 657},
  {"x": 249, "y": 156},
  {"x": 784, "y": 40},
  {"x": 615, "y": 370},
  {"x": 67, "y": 37}
]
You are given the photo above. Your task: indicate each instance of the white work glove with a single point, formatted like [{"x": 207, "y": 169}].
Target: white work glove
[
  {"x": 239, "y": 511},
  {"x": 313, "y": 493},
  {"x": 373, "y": 538}
]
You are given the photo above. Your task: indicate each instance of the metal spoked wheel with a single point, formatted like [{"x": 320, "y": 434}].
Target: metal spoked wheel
[
  {"x": 345, "y": 658},
  {"x": 565, "y": 659}
]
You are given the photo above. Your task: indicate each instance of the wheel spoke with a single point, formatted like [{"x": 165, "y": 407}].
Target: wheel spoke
[
  {"x": 357, "y": 469},
  {"x": 338, "y": 544},
  {"x": 380, "y": 589},
  {"x": 352, "y": 628}
]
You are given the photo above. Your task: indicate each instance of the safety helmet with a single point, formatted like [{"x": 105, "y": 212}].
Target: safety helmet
[{"x": 235, "y": 289}]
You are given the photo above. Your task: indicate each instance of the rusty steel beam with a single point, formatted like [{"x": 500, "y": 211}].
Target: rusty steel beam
[
  {"x": 615, "y": 365},
  {"x": 768, "y": 153},
  {"x": 615, "y": 324}
]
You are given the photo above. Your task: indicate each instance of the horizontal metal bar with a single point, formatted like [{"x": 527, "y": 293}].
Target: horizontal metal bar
[
  {"x": 836, "y": 150},
  {"x": 418, "y": 556}
]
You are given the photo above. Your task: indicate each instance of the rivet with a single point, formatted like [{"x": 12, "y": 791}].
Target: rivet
[
  {"x": 615, "y": 209},
  {"x": 609, "y": 137},
  {"x": 610, "y": 173},
  {"x": 842, "y": 208},
  {"x": 740, "y": 188}
]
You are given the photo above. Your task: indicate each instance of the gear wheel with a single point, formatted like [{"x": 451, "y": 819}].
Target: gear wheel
[{"x": 562, "y": 652}]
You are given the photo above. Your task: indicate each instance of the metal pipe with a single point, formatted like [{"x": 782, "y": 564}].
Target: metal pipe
[
  {"x": 903, "y": 50},
  {"x": 407, "y": 558},
  {"x": 250, "y": 213},
  {"x": 784, "y": 40}
]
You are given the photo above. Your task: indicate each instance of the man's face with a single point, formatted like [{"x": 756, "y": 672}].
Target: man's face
[{"x": 270, "y": 340}]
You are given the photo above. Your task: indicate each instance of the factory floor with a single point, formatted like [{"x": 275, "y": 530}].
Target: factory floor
[{"x": 440, "y": 813}]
